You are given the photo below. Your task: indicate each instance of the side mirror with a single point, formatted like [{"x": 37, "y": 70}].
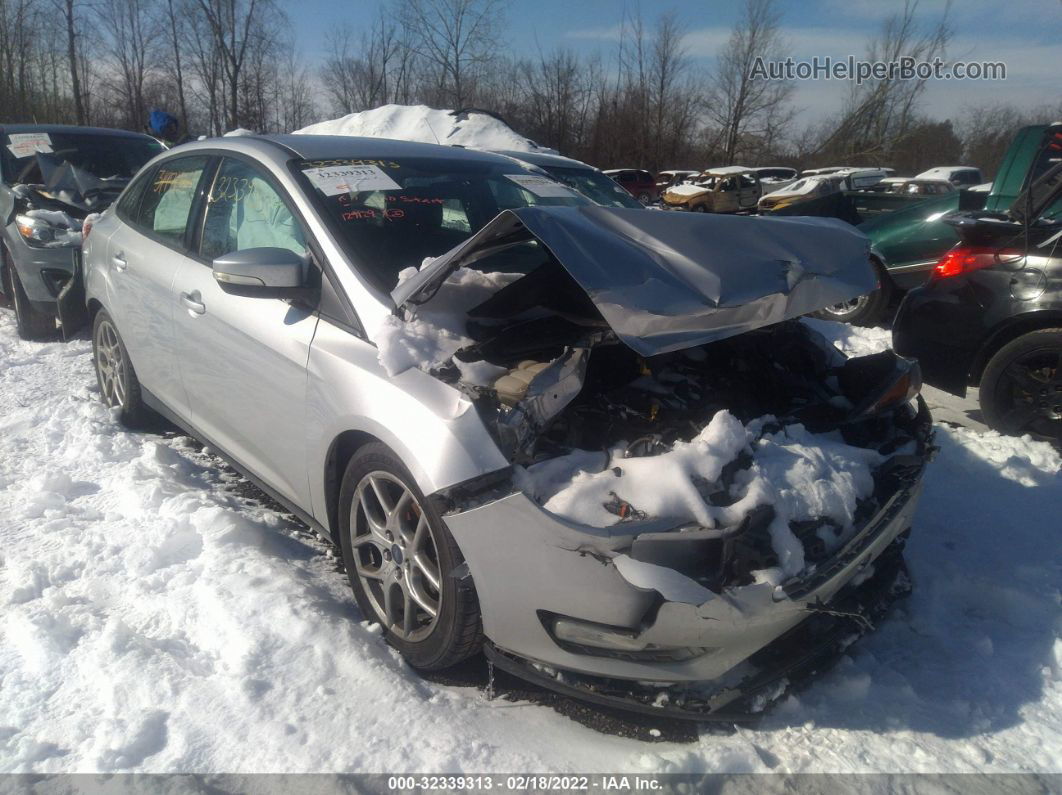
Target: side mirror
[{"x": 262, "y": 273}]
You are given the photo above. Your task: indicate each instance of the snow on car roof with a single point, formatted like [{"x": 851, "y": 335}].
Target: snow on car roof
[
  {"x": 468, "y": 128},
  {"x": 724, "y": 170},
  {"x": 943, "y": 171}
]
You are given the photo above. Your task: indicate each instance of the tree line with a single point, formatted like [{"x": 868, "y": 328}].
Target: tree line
[{"x": 222, "y": 64}]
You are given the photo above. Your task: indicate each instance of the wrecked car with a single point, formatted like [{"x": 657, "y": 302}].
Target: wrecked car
[
  {"x": 729, "y": 189},
  {"x": 54, "y": 177},
  {"x": 596, "y": 443}
]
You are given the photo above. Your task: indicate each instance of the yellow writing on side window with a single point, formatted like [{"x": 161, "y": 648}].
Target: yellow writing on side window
[{"x": 168, "y": 180}]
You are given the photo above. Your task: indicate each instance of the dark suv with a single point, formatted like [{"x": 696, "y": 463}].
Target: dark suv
[
  {"x": 991, "y": 313},
  {"x": 53, "y": 178}
]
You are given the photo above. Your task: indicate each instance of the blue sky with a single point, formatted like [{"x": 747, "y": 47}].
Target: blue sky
[{"x": 1024, "y": 34}]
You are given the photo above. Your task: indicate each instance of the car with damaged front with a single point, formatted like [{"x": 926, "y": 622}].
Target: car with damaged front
[
  {"x": 52, "y": 178},
  {"x": 598, "y": 444}
]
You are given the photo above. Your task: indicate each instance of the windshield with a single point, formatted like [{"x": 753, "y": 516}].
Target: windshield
[
  {"x": 393, "y": 214},
  {"x": 106, "y": 157},
  {"x": 593, "y": 185}
]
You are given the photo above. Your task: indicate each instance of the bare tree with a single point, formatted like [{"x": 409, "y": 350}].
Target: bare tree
[
  {"x": 742, "y": 104},
  {"x": 674, "y": 98},
  {"x": 175, "y": 42},
  {"x": 880, "y": 113},
  {"x": 376, "y": 70},
  {"x": 236, "y": 26},
  {"x": 133, "y": 28},
  {"x": 69, "y": 10},
  {"x": 455, "y": 41}
]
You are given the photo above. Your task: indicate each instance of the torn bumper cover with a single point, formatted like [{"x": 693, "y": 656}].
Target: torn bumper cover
[
  {"x": 668, "y": 281},
  {"x": 557, "y": 594}
]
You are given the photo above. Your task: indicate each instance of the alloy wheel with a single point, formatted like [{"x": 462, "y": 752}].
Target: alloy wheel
[
  {"x": 395, "y": 556},
  {"x": 847, "y": 307},
  {"x": 1031, "y": 387},
  {"x": 110, "y": 364}
]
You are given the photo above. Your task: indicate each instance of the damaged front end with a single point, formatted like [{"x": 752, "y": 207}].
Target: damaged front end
[
  {"x": 696, "y": 474},
  {"x": 50, "y": 214}
]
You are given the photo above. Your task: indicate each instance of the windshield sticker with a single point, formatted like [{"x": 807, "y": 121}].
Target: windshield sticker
[
  {"x": 336, "y": 180},
  {"x": 543, "y": 187},
  {"x": 350, "y": 162},
  {"x": 26, "y": 144}
]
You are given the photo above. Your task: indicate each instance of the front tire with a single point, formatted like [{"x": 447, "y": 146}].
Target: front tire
[
  {"x": 865, "y": 310},
  {"x": 119, "y": 386},
  {"x": 1021, "y": 387},
  {"x": 30, "y": 324},
  {"x": 400, "y": 560}
]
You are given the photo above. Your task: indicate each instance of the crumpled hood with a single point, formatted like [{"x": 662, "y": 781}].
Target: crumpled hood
[
  {"x": 667, "y": 281},
  {"x": 75, "y": 187}
]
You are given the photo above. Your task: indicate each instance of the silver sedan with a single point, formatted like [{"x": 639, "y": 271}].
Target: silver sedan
[{"x": 537, "y": 427}]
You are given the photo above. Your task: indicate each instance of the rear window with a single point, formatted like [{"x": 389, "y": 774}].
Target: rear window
[
  {"x": 106, "y": 157},
  {"x": 393, "y": 214}
]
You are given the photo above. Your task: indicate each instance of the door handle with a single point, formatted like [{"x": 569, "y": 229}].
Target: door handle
[
  {"x": 192, "y": 303},
  {"x": 119, "y": 262}
]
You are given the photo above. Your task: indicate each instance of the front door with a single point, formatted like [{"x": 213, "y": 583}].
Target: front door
[{"x": 243, "y": 359}]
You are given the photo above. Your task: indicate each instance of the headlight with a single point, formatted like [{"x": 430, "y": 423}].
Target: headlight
[{"x": 39, "y": 233}]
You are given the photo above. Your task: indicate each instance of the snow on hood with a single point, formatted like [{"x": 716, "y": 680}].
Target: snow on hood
[
  {"x": 668, "y": 281},
  {"x": 470, "y": 129},
  {"x": 686, "y": 189}
]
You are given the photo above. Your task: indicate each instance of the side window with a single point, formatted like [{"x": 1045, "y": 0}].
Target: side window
[
  {"x": 129, "y": 202},
  {"x": 244, "y": 211},
  {"x": 167, "y": 199}
]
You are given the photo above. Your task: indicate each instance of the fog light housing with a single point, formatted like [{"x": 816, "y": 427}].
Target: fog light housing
[{"x": 602, "y": 640}]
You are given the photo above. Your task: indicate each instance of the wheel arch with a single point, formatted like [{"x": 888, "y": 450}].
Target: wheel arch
[
  {"x": 340, "y": 451},
  {"x": 1015, "y": 327},
  {"x": 94, "y": 306}
]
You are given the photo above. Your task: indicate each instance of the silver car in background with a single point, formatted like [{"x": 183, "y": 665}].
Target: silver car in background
[{"x": 403, "y": 343}]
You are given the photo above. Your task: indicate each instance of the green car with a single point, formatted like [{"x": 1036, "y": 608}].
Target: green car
[{"x": 906, "y": 243}]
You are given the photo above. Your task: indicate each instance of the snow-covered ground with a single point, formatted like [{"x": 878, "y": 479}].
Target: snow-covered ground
[
  {"x": 429, "y": 126},
  {"x": 153, "y": 620}
]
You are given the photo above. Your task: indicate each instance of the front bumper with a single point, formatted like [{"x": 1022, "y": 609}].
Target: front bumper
[
  {"x": 811, "y": 646},
  {"x": 43, "y": 271},
  {"x": 532, "y": 569}
]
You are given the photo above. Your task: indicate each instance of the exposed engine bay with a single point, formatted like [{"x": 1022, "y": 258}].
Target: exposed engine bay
[
  {"x": 706, "y": 430},
  {"x": 693, "y": 470}
]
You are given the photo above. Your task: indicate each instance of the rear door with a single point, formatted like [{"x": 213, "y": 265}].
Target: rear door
[
  {"x": 243, "y": 359},
  {"x": 144, "y": 253}
]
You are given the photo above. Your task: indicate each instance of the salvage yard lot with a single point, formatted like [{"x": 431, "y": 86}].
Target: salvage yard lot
[{"x": 152, "y": 619}]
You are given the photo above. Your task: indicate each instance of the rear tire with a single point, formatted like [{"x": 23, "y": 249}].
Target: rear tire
[
  {"x": 400, "y": 560},
  {"x": 866, "y": 310},
  {"x": 119, "y": 386},
  {"x": 1021, "y": 387},
  {"x": 30, "y": 324}
]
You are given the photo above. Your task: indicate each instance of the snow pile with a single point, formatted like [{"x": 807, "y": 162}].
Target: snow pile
[
  {"x": 435, "y": 331},
  {"x": 239, "y": 131},
  {"x": 151, "y": 621},
  {"x": 804, "y": 476},
  {"x": 427, "y": 125}
]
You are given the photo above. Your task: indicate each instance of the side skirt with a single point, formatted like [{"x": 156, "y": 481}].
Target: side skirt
[{"x": 158, "y": 406}]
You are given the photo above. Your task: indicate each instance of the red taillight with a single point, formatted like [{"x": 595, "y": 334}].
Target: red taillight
[{"x": 963, "y": 259}]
